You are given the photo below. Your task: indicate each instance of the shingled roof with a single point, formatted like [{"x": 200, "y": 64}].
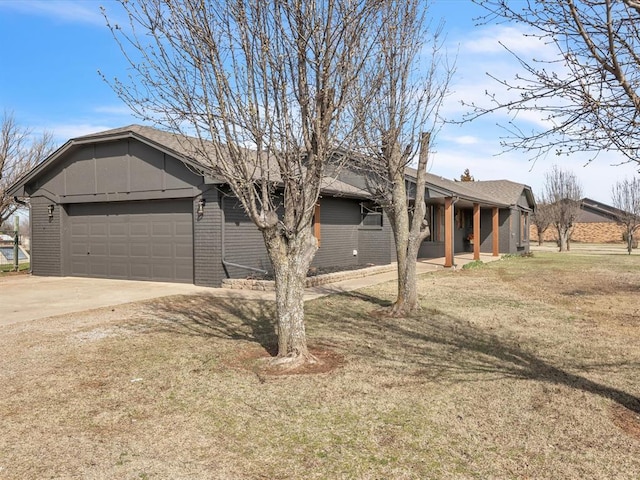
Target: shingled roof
[{"x": 503, "y": 191}]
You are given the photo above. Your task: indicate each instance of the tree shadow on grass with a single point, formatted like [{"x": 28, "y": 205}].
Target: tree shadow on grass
[
  {"x": 432, "y": 345},
  {"x": 441, "y": 347},
  {"x": 224, "y": 318}
]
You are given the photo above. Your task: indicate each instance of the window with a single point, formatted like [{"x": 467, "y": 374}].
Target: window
[
  {"x": 435, "y": 217},
  {"x": 438, "y": 223},
  {"x": 371, "y": 215},
  {"x": 524, "y": 227}
]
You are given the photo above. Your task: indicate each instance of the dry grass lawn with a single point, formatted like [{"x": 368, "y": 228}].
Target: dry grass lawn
[{"x": 524, "y": 368}]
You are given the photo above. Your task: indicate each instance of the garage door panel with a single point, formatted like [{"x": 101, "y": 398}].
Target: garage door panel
[
  {"x": 163, "y": 229},
  {"x": 98, "y": 249},
  {"x": 140, "y": 250},
  {"x": 184, "y": 252},
  {"x": 98, "y": 269},
  {"x": 135, "y": 240},
  {"x": 118, "y": 270},
  {"x": 162, "y": 272},
  {"x": 118, "y": 230},
  {"x": 80, "y": 229},
  {"x": 98, "y": 229},
  {"x": 138, "y": 229},
  {"x": 140, "y": 271},
  {"x": 162, "y": 251},
  {"x": 118, "y": 249},
  {"x": 80, "y": 268},
  {"x": 79, "y": 248},
  {"x": 183, "y": 270},
  {"x": 183, "y": 229}
]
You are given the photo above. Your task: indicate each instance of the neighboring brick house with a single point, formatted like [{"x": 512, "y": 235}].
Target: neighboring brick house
[{"x": 596, "y": 224}]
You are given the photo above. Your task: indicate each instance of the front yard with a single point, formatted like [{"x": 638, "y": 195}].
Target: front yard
[{"x": 522, "y": 368}]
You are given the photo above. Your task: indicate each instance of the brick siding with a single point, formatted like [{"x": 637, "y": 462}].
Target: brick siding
[{"x": 596, "y": 232}]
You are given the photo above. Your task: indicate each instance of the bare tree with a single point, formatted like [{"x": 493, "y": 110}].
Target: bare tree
[
  {"x": 20, "y": 151},
  {"x": 541, "y": 218},
  {"x": 589, "y": 94},
  {"x": 258, "y": 90},
  {"x": 397, "y": 122},
  {"x": 625, "y": 196},
  {"x": 564, "y": 194}
]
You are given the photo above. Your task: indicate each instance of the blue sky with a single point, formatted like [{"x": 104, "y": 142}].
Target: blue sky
[{"x": 52, "y": 51}]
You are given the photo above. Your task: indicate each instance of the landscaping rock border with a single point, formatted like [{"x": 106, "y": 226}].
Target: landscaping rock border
[{"x": 315, "y": 281}]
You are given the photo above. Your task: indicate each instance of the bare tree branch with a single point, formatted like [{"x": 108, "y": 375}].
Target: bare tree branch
[
  {"x": 541, "y": 217},
  {"x": 563, "y": 194},
  {"x": 589, "y": 94},
  {"x": 20, "y": 151},
  {"x": 259, "y": 91},
  {"x": 625, "y": 196},
  {"x": 398, "y": 121}
]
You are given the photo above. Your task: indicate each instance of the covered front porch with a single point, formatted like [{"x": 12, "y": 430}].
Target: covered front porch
[{"x": 462, "y": 229}]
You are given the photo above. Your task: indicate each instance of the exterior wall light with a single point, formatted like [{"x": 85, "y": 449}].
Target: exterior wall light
[
  {"x": 50, "y": 211},
  {"x": 201, "y": 203}
]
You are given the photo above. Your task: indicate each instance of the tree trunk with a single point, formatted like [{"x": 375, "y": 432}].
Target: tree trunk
[
  {"x": 400, "y": 226},
  {"x": 410, "y": 276},
  {"x": 409, "y": 232},
  {"x": 540, "y": 235},
  {"x": 629, "y": 240},
  {"x": 291, "y": 258},
  {"x": 563, "y": 239}
]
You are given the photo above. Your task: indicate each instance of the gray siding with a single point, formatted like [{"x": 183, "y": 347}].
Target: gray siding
[
  {"x": 377, "y": 246},
  {"x": 340, "y": 235},
  {"x": 207, "y": 238},
  {"x": 486, "y": 230},
  {"x": 507, "y": 236},
  {"x": 523, "y": 202},
  {"x": 117, "y": 171},
  {"x": 46, "y": 238},
  {"x": 242, "y": 241},
  {"x": 431, "y": 250},
  {"x": 339, "y": 222}
]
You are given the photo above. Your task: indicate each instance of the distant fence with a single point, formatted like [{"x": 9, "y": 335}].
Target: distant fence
[{"x": 8, "y": 250}]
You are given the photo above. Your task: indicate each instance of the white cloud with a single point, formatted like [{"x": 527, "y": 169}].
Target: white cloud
[
  {"x": 121, "y": 110},
  {"x": 65, "y": 131},
  {"x": 465, "y": 140},
  {"x": 61, "y": 10},
  {"x": 490, "y": 40}
]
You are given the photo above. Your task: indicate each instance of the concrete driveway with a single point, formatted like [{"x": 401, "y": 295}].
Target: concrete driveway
[{"x": 27, "y": 297}]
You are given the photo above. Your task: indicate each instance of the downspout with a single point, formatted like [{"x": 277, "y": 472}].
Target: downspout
[{"x": 225, "y": 263}]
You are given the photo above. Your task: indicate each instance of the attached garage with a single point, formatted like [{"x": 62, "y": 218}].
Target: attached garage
[
  {"x": 131, "y": 240},
  {"x": 123, "y": 204}
]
